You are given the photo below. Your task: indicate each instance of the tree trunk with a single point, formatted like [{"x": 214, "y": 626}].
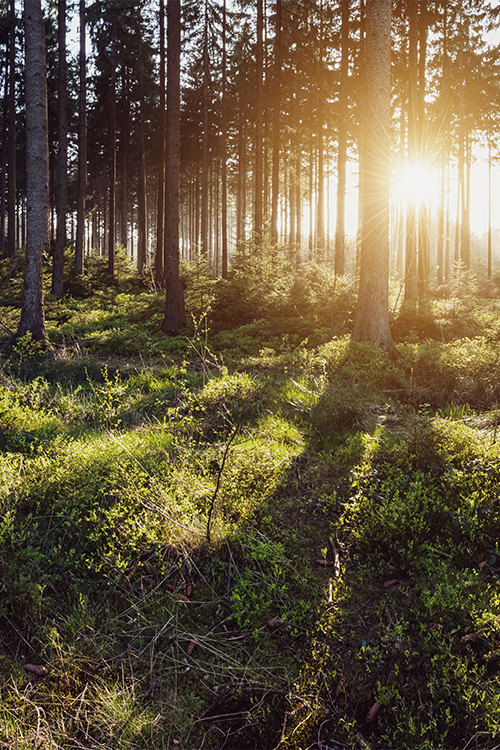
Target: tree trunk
[
  {"x": 11, "y": 193},
  {"x": 411, "y": 264},
  {"x": 125, "y": 139},
  {"x": 257, "y": 227},
  {"x": 224, "y": 144},
  {"x": 276, "y": 126},
  {"x": 61, "y": 186},
  {"x": 82, "y": 149},
  {"x": 37, "y": 176},
  {"x": 141, "y": 187},
  {"x": 160, "y": 211},
  {"x": 175, "y": 316},
  {"x": 342, "y": 152},
  {"x": 205, "y": 144},
  {"x": 112, "y": 147},
  {"x": 423, "y": 229},
  {"x": 3, "y": 151},
  {"x": 372, "y": 313}
]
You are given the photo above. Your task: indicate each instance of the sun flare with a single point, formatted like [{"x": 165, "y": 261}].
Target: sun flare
[{"x": 418, "y": 184}]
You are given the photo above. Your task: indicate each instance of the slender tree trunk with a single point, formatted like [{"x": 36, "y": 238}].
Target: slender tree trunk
[
  {"x": 411, "y": 269},
  {"x": 276, "y": 125},
  {"x": 298, "y": 205},
  {"x": 224, "y": 144},
  {"x": 142, "y": 228},
  {"x": 37, "y": 241},
  {"x": 82, "y": 149},
  {"x": 11, "y": 194},
  {"x": 160, "y": 209},
  {"x": 3, "y": 151},
  {"x": 342, "y": 152},
  {"x": 205, "y": 143},
  {"x": 372, "y": 313},
  {"x": 489, "y": 208},
  {"x": 175, "y": 316},
  {"x": 423, "y": 229},
  {"x": 362, "y": 87},
  {"x": 112, "y": 147},
  {"x": 258, "y": 126},
  {"x": 61, "y": 187},
  {"x": 125, "y": 138}
]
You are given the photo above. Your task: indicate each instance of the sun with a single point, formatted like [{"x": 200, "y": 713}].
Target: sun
[{"x": 418, "y": 185}]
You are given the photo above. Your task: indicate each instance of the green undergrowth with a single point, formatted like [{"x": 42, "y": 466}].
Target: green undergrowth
[{"x": 252, "y": 537}]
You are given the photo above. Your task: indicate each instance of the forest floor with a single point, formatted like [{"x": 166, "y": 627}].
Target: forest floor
[{"x": 260, "y": 536}]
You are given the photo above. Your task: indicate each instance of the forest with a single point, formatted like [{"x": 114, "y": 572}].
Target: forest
[{"x": 249, "y": 375}]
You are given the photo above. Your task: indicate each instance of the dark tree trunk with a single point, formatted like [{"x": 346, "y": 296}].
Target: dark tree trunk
[
  {"x": 205, "y": 145},
  {"x": 423, "y": 229},
  {"x": 37, "y": 190},
  {"x": 160, "y": 212},
  {"x": 125, "y": 138},
  {"x": 11, "y": 194},
  {"x": 411, "y": 263},
  {"x": 141, "y": 188},
  {"x": 224, "y": 145},
  {"x": 61, "y": 179},
  {"x": 82, "y": 149},
  {"x": 175, "y": 316},
  {"x": 258, "y": 125},
  {"x": 372, "y": 313},
  {"x": 276, "y": 125},
  {"x": 342, "y": 153},
  {"x": 112, "y": 148},
  {"x": 3, "y": 151}
]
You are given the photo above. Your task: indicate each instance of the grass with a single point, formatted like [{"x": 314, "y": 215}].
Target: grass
[{"x": 254, "y": 536}]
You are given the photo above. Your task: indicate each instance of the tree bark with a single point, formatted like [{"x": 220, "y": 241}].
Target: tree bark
[
  {"x": 224, "y": 145},
  {"x": 11, "y": 190},
  {"x": 61, "y": 186},
  {"x": 372, "y": 313},
  {"x": 112, "y": 148},
  {"x": 257, "y": 227},
  {"x": 411, "y": 263},
  {"x": 160, "y": 212},
  {"x": 342, "y": 152},
  {"x": 37, "y": 175},
  {"x": 82, "y": 149},
  {"x": 175, "y": 316},
  {"x": 276, "y": 126}
]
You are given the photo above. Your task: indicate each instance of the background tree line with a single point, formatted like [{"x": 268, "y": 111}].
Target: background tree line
[{"x": 270, "y": 130}]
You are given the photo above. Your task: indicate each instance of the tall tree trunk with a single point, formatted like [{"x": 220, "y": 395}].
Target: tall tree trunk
[
  {"x": 160, "y": 210},
  {"x": 276, "y": 125},
  {"x": 298, "y": 204},
  {"x": 3, "y": 151},
  {"x": 423, "y": 229},
  {"x": 362, "y": 88},
  {"x": 82, "y": 148},
  {"x": 175, "y": 316},
  {"x": 242, "y": 171},
  {"x": 141, "y": 187},
  {"x": 411, "y": 265},
  {"x": 224, "y": 144},
  {"x": 61, "y": 186},
  {"x": 489, "y": 208},
  {"x": 112, "y": 147},
  {"x": 257, "y": 227},
  {"x": 342, "y": 152},
  {"x": 125, "y": 138},
  {"x": 372, "y": 313},
  {"x": 205, "y": 144},
  {"x": 37, "y": 177},
  {"x": 11, "y": 194}
]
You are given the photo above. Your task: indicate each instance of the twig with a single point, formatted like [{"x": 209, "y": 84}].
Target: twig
[
  {"x": 219, "y": 479},
  {"x": 336, "y": 557}
]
